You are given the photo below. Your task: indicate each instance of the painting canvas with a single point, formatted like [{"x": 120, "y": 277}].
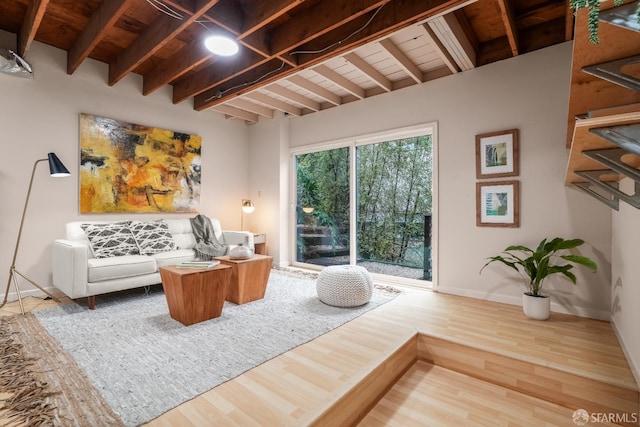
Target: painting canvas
[
  {"x": 497, "y": 204},
  {"x": 126, "y": 167},
  {"x": 497, "y": 154}
]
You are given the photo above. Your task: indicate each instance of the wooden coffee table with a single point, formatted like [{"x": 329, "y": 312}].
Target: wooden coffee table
[
  {"x": 249, "y": 277},
  {"x": 195, "y": 295}
]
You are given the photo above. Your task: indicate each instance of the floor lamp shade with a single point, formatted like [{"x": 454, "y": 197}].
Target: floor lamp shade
[
  {"x": 56, "y": 169},
  {"x": 247, "y": 207}
]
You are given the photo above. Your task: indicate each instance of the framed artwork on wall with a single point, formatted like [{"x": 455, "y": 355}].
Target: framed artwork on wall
[
  {"x": 131, "y": 168},
  {"x": 497, "y": 154},
  {"x": 498, "y": 204}
]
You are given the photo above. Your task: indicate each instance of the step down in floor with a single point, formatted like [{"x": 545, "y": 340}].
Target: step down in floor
[{"x": 545, "y": 391}]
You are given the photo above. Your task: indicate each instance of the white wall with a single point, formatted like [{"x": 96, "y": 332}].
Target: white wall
[
  {"x": 269, "y": 184},
  {"x": 42, "y": 115},
  {"x": 530, "y": 93},
  {"x": 625, "y": 270}
]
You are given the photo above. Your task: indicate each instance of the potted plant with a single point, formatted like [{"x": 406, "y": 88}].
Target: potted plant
[{"x": 550, "y": 257}]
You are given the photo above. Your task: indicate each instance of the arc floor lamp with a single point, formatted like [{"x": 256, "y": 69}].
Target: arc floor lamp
[{"x": 56, "y": 169}]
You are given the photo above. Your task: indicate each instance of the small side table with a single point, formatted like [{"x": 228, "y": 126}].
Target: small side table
[
  {"x": 260, "y": 243},
  {"x": 195, "y": 295},
  {"x": 249, "y": 277}
]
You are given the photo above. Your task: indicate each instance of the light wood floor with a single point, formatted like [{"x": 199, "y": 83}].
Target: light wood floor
[
  {"x": 380, "y": 367},
  {"x": 435, "y": 396}
]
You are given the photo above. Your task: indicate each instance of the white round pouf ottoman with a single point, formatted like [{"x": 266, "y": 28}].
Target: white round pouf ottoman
[{"x": 344, "y": 286}]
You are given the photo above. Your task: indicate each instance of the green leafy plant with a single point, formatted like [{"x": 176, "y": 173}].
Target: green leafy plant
[
  {"x": 547, "y": 259},
  {"x": 594, "y": 14}
]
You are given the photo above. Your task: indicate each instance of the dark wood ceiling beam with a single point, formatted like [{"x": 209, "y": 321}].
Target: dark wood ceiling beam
[
  {"x": 508, "y": 20},
  {"x": 209, "y": 77},
  {"x": 228, "y": 15},
  {"x": 242, "y": 83},
  {"x": 568, "y": 21},
  {"x": 544, "y": 12},
  {"x": 321, "y": 19},
  {"x": 102, "y": 20},
  {"x": 184, "y": 61},
  {"x": 305, "y": 27},
  {"x": 184, "y": 6},
  {"x": 533, "y": 38},
  {"x": 30, "y": 25},
  {"x": 492, "y": 51},
  {"x": 546, "y": 34},
  {"x": 160, "y": 32},
  {"x": 258, "y": 45},
  {"x": 263, "y": 12},
  {"x": 395, "y": 15},
  {"x": 212, "y": 84}
]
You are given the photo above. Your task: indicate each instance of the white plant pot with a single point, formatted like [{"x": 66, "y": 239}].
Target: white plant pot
[{"x": 537, "y": 308}]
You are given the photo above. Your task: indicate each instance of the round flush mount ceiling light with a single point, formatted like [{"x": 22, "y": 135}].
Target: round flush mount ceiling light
[{"x": 221, "y": 45}]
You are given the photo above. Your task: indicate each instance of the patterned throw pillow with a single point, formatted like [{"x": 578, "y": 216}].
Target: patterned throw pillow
[
  {"x": 111, "y": 239},
  {"x": 152, "y": 237}
]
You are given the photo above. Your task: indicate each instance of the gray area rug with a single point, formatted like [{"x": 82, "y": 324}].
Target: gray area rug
[{"x": 144, "y": 363}]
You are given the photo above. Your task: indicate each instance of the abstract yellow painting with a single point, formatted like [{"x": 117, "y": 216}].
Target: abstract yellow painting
[{"x": 126, "y": 167}]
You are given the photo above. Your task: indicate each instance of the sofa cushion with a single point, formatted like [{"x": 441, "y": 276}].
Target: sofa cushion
[
  {"x": 111, "y": 239},
  {"x": 152, "y": 237},
  {"x": 182, "y": 232},
  {"x": 120, "y": 267},
  {"x": 174, "y": 257}
]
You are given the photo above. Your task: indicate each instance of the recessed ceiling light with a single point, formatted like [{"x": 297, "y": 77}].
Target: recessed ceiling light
[{"x": 221, "y": 45}]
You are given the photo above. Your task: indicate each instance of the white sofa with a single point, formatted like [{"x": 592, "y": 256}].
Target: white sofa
[{"x": 79, "y": 273}]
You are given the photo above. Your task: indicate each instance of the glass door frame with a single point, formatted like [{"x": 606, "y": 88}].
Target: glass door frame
[{"x": 353, "y": 142}]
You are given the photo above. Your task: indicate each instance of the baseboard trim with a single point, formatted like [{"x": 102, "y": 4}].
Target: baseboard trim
[
  {"x": 512, "y": 300},
  {"x": 635, "y": 369},
  {"x": 33, "y": 292}
]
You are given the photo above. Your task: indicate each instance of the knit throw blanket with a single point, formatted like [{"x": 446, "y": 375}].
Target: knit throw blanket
[{"x": 207, "y": 244}]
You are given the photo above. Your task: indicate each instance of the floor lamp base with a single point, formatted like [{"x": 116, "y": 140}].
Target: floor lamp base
[{"x": 12, "y": 276}]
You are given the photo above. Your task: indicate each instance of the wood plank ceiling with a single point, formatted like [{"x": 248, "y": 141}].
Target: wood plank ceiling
[{"x": 296, "y": 56}]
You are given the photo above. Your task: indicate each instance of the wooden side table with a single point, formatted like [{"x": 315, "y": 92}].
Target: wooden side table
[
  {"x": 195, "y": 295},
  {"x": 249, "y": 277},
  {"x": 260, "y": 243}
]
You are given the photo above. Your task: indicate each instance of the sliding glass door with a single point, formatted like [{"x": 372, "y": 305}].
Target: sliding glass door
[
  {"x": 367, "y": 203},
  {"x": 322, "y": 208},
  {"x": 393, "y": 184}
]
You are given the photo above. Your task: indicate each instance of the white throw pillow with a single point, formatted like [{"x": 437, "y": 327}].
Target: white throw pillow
[
  {"x": 152, "y": 237},
  {"x": 111, "y": 239}
]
